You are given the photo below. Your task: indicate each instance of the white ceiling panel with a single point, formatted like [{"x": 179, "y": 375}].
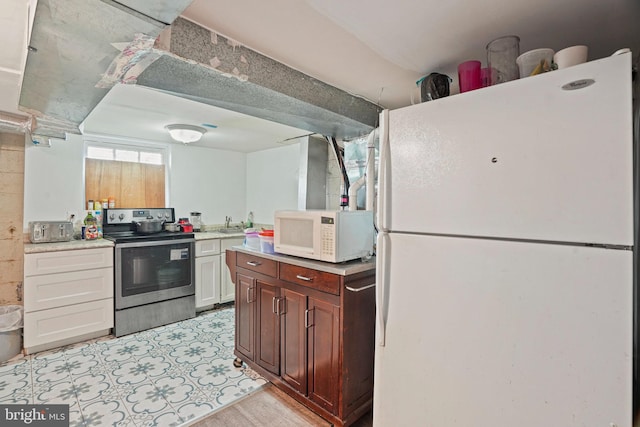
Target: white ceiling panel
[
  {"x": 10, "y": 90},
  {"x": 142, "y": 113},
  {"x": 14, "y": 16}
]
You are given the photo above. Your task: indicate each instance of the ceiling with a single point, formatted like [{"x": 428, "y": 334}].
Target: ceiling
[
  {"x": 372, "y": 49},
  {"x": 16, "y": 17},
  {"x": 142, "y": 113},
  {"x": 378, "y": 49}
]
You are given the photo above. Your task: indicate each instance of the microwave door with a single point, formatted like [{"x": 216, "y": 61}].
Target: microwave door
[{"x": 296, "y": 235}]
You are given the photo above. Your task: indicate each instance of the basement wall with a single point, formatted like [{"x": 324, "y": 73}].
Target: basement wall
[{"x": 12, "y": 147}]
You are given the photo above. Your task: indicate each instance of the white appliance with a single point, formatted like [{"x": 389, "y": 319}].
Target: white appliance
[
  {"x": 331, "y": 236},
  {"x": 505, "y": 262}
]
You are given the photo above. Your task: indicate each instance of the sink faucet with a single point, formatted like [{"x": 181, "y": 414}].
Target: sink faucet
[{"x": 227, "y": 220}]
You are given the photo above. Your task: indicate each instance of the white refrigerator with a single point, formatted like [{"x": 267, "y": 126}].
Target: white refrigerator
[{"x": 505, "y": 264}]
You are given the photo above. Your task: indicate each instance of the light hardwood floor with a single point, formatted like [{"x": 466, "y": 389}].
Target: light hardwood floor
[{"x": 269, "y": 407}]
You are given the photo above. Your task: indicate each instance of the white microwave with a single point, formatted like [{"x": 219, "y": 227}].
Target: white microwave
[{"x": 331, "y": 236}]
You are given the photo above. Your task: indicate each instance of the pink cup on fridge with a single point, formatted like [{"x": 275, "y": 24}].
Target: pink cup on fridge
[
  {"x": 487, "y": 75},
  {"x": 469, "y": 76}
]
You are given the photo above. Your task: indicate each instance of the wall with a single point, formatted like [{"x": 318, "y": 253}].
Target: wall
[
  {"x": 272, "y": 182},
  {"x": 210, "y": 181},
  {"x": 12, "y": 154},
  {"x": 53, "y": 181},
  {"x": 216, "y": 183}
]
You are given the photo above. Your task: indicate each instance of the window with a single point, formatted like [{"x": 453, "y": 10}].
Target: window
[
  {"x": 133, "y": 175},
  {"x": 125, "y": 155}
]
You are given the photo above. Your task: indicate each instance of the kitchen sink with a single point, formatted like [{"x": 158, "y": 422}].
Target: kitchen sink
[{"x": 231, "y": 230}]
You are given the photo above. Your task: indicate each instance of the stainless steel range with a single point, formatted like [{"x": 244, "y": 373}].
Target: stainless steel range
[{"x": 154, "y": 271}]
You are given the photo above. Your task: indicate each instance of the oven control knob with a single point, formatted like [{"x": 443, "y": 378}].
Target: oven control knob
[
  {"x": 166, "y": 215},
  {"x": 159, "y": 216},
  {"x": 121, "y": 216},
  {"x": 112, "y": 216}
]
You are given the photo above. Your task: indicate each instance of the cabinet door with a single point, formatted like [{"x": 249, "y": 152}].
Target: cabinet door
[
  {"x": 324, "y": 347},
  {"x": 207, "y": 281},
  {"x": 294, "y": 340},
  {"x": 245, "y": 316},
  {"x": 227, "y": 288},
  {"x": 268, "y": 327}
]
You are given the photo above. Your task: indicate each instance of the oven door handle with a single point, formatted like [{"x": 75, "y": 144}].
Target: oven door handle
[{"x": 145, "y": 243}]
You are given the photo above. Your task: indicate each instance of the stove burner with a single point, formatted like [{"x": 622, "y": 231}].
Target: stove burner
[{"x": 132, "y": 236}]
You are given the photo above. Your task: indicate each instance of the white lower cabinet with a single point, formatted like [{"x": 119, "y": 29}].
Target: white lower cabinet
[
  {"x": 60, "y": 326},
  {"x": 68, "y": 297},
  {"x": 228, "y": 288},
  {"x": 213, "y": 280},
  {"x": 207, "y": 281}
]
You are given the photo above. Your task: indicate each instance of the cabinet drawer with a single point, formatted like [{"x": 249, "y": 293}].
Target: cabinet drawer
[
  {"x": 325, "y": 282},
  {"x": 45, "y": 326},
  {"x": 207, "y": 247},
  {"x": 57, "y": 290},
  {"x": 64, "y": 261},
  {"x": 257, "y": 264}
]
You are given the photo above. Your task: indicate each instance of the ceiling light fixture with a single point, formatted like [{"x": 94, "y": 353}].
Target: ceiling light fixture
[{"x": 185, "y": 133}]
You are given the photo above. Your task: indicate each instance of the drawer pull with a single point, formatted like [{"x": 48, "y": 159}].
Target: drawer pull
[
  {"x": 254, "y": 263},
  {"x": 306, "y": 279},
  {"x": 349, "y": 288}
]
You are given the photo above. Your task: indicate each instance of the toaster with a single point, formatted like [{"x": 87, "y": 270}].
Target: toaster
[{"x": 50, "y": 231}]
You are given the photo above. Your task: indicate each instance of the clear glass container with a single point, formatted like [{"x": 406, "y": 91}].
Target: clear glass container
[
  {"x": 195, "y": 218},
  {"x": 501, "y": 59}
]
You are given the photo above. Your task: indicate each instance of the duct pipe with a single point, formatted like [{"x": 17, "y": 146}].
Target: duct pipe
[
  {"x": 15, "y": 124},
  {"x": 370, "y": 171},
  {"x": 368, "y": 178},
  {"x": 353, "y": 192}
]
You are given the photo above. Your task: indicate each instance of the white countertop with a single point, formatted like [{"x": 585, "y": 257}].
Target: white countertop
[
  {"x": 34, "y": 248},
  {"x": 342, "y": 269}
]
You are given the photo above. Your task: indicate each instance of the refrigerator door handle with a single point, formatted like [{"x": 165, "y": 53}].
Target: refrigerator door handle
[
  {"x": 384, "y": 168},
  {"x": 382, "y": 284}
]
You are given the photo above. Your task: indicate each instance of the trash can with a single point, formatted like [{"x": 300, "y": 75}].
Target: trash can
[{"x": 10, "y": 331}]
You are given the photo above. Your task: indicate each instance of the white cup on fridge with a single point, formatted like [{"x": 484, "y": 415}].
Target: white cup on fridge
[
  {"x": 621, "y": 51},
  {"x": 571, "y": 56}
]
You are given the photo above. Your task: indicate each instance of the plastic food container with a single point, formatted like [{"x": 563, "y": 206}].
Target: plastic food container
[
  {"x": 252, "y": 239},
  {"x": 266, "y": 241}
]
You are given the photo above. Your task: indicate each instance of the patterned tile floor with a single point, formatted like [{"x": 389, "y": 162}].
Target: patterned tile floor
[{"x": 161, "y": 377}]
